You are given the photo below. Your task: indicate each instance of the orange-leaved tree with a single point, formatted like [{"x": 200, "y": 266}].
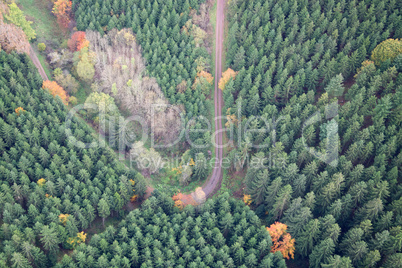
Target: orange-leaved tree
[
  {"x": 177, "y": 200},
  {"x": 282, "y": 241},
  {"x": 181, "y": 200},
  {"x": 62, "y": 10},
  {"x": 19, "y": 110},
  {"x": 77, "y": 41},
  {"x": 55, "y": 90},
  {"x": 226, "y": 76}
]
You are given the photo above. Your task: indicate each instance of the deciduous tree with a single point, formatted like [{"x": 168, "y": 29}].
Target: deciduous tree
[
  {"x": 62, "y": 10},
  {"x": 386, "y": 50},
  {"x": 282, "y": 241},
  {"x": 226, "y": 76},
  {"x": 55, "y": 90},
  {"x": 16, "y": 17},
  {"x": 77, "y": 41}
]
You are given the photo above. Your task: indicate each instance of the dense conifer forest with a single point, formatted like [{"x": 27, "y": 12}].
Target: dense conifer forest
[
  {"x": 46, "y": 175},
  {"x": 334, "y": 153},
  {"x": 224, "y": 232},
  {"x": 312, "y": 102},
  {"x": 173, "y": 55}
]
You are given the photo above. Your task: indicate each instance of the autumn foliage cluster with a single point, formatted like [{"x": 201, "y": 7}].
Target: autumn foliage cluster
[
  {"x": 133, "y": 198},
  {"x": 387, "y": 50},
  {"x": 41, "y": 182},
  {"x": 177, "y": 201},
  {"x": 231, "y": 118},
  {"x": 75, "y": 241},
  {"x": 226, "y": 76},
  {"x": 77, "y": 41},
  {"x": 247, "y": 199},
  {"x": 62, "y": 10},
  {"x": 182, "y": 200},
  {"x": 19, "y": 110},
  {"x": 207, "y": 76},
  {"x": 282, "y": 241},
  {"x": 55, "y": 90},
  {"x": 63, "y": 218},
  {"x": 12, "y": 37}
]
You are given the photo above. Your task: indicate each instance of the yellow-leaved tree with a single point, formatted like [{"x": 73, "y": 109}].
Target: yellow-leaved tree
[
  {"x": 63, "y": 218},
  {"x": 247, "y": 199},
  {"x": 85, "y": 66},
  {"x": 203, "y": 81},
  {"x": 387, "y": 49},
  {"x": 75, "y": 241},
  {"x": 16, "y": 17},
  {"x": 226, "y": 76},
  {"x": 41, "y": 182}
]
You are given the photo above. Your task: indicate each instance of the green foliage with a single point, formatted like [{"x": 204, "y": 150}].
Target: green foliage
[
  {"x": 352, "y": 204},
  {"x": 291, "y": 46},
  {"x": 16, "y": 17},
  {"x": 85, "y": 65},
  {"x": 292, "y": 59},
  {"x": 335, "y": 86},
  {"x": 103, "y": 102},
  {"x": 222, "y": 233},
  {"x": 169, "y": 49},
  {"x": 41, "y": 47},
  {"x": 35, "y": 145}
]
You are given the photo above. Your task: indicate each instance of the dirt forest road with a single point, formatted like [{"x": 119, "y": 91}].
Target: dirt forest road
[
  {"x": 214, "y": 183},
  {"x": 36, "y": 61}
]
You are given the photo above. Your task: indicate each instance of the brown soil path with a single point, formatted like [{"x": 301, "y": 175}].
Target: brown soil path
[
  {"x": 36, "y": 61},
  {"x": 213, "y": 184}
]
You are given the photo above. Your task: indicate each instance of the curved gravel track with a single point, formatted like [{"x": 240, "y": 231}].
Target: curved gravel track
[{"x": 212, "y": 185}]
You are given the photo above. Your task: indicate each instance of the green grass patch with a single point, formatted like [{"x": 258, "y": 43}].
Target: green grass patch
[
  {"x": 44, "y": 23},
  {"x": 44, "y": 64}
]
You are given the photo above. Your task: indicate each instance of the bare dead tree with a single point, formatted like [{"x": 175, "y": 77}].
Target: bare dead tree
[
  {"x": 13, "y": 38},
  {"x": 120, "y": 69}
]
